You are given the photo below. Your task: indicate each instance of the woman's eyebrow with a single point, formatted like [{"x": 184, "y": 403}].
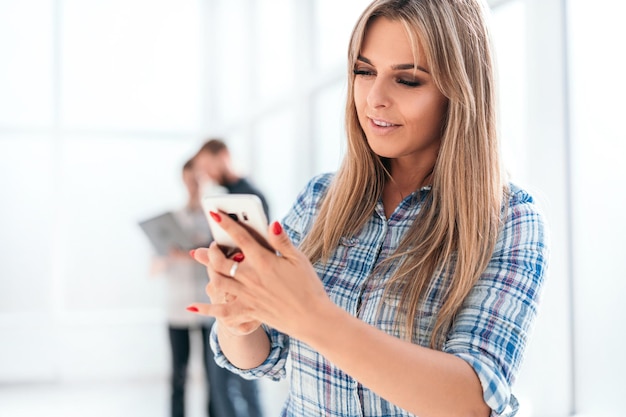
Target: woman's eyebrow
[
  {"x": 396, "y": 67},
  {"x": 408, "y": 67}
]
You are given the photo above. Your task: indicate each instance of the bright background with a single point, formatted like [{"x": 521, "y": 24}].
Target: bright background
[{"x": 101, "y": 101}]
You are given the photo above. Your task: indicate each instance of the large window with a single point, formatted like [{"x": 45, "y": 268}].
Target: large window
[{"x": 99, "y": 108}]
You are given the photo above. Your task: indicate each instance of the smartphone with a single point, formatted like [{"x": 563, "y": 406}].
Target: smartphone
[{"x": 247, "y": 209}]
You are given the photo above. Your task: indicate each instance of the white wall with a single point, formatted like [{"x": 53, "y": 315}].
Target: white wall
[
  {"x": 533, "y": 135},
  {"x": 597, "y": 61},
  {"x": 570, "y": 156}
]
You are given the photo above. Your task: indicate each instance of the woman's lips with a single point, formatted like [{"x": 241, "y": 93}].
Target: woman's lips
[{"x": 381, "y": 126}]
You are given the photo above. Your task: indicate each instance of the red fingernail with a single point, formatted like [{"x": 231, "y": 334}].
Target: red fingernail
[
  {"x": 238, "y": 257},
  {"x": 192, "y": 252},
  {"x": 193, "y": 309},
  {"x": 215, "y": 216},
  {"x": 277, "y": 228}
]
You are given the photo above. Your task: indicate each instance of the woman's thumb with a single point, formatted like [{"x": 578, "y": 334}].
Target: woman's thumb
[{"x": 279, "y": 239}]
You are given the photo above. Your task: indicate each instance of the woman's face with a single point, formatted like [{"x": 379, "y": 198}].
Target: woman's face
[{"x": 399, "y": 107}]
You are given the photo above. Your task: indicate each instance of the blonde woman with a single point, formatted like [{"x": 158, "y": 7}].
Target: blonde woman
[{"x": 407, "y": 282}]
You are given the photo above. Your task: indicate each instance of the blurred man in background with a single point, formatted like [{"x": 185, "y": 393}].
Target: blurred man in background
[{"x": 213, "y": 166}]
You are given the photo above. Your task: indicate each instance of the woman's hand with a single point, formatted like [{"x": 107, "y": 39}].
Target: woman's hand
[
  {"x": 278, "y": 288},
  {"x": 238, "y": 322}
]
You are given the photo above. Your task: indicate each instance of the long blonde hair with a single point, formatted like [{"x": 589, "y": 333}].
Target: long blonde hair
[{"x": 455, "y": 233}]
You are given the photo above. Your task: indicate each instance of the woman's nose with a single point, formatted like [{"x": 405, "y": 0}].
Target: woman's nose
[{"x": 378, "y": 95}]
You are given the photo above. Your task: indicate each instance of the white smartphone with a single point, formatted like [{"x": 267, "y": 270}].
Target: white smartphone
[{"x": 247, "y": 209}]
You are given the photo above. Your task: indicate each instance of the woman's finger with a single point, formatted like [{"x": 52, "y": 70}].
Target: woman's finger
[
  {"x": 219, "y": 286},
  {"x": 200, "y": 255},
  {"x": 236, "y": 322},
  {"x": 280, "y": 241},
  {"x": 213, "y": 310},
  {"x": 220, "y": 263},
  {"x": 245, "y": 239}
]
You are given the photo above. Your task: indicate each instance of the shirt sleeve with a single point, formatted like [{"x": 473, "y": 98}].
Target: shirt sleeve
[
  {"x": 491, "y": 329},
  {"x": 274, "y": 367}
]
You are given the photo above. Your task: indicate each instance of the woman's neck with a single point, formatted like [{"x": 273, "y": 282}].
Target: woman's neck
[
  {"x": 407, "y": 179},
  {"x": 402, "y": 183}
]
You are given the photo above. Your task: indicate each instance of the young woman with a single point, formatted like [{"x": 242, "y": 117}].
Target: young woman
[{"x": 407, "y": 282}]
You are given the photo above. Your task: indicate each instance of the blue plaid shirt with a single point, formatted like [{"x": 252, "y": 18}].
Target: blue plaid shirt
[{"x": 489, "y": 332}]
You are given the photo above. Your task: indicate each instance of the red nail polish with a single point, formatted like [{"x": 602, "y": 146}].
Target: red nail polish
[
  {"x": 193, "y": 309},
  {"x": 277, "y": 228},
  {"x": 192, "y": 252},
  {"x": 238, "y": 257},
  {"x": 215, "y": 216}
]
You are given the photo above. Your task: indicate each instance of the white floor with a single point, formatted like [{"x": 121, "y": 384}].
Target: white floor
[{"x": 114, "y": 399}]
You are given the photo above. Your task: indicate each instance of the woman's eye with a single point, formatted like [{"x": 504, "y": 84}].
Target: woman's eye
[
  {"x": 363, "y": 72},
  {"x": 409, "y": 83}
]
